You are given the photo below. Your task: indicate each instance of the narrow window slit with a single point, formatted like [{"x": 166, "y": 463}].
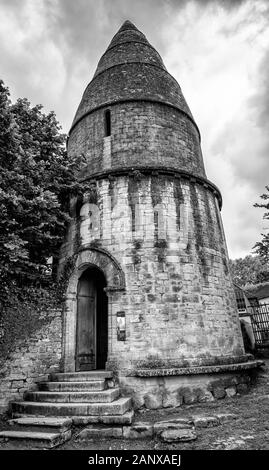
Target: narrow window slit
[{"x": 107, "y": 123}]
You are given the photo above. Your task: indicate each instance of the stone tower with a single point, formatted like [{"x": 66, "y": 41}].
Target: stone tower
[{"x": 149, "y": 284}]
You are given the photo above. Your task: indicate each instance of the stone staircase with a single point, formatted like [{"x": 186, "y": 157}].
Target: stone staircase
[{"x": 46, "y": 417}]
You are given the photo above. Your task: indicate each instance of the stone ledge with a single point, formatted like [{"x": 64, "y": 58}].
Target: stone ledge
[
  {"x": 197, "y": 369},
  {"x": 149, "y": 170}
]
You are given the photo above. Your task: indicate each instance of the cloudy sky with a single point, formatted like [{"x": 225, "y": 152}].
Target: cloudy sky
[{"x": 218, "y": 50}]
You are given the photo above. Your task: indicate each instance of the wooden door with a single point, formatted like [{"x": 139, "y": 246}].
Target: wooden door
[{"x": 86, "y": 324}]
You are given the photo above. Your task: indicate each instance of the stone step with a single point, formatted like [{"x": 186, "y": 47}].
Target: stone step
[
  {"x": 140, "y": 430},
  {"x": 117, "y": 407},
  {"x": 100, "y": 432},
  {"x": 41, "y": 424},
  {"x": 104, "y": 396},
  {"x": 37, "y": 440},
  {"x": 72, "y": 386},
  {"x": 81, "y": 376},
  {"x": 124, "y": 419}
]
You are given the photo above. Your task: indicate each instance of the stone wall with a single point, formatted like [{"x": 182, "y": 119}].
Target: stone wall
[
  {"x": 32, "y": 359},
  {"x": 166, "y": 235},
  {"x": 142, "y": 133}
]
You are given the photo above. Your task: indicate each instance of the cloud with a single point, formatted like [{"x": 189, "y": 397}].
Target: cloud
[
  {"x": 259, "y": 101},
  {"x": 224, "y": 76},
  {"x": 218, "y": 51},
  {"x": 31, "y": 62}
]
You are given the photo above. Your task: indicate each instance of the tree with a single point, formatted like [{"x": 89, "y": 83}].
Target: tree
[
  {"x": 249, "y": 270},
  {"x": 36, "y": 181},
  {"x": 262, "y": 247}
]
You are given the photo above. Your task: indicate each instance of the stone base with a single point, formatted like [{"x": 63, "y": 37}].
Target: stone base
[{"x": 171, "y": 388}]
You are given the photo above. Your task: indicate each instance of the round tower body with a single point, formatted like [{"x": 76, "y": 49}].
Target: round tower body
[{"x": 150, "y": 222}]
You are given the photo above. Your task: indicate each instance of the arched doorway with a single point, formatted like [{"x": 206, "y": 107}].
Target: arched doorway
[
  {"x": 92, "y": 321},
  {"x": 98, "y": 260}
]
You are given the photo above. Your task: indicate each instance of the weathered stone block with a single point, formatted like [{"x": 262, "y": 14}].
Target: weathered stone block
[
  {"x": 17, "y": 383},
  {"x": 242, "y": 388},
  {"x": 205, "y": 396},
  {"x": 219, "y": 392},
  {"x": 230, "y": 391},
  {"x": 153, "y": 400},
  {"x": 178, "y": 435},
  {"x": 172, "y": 399},
  {"x": 137, "y": 400},
  {"x": 175, "y": 424},
  {"x": 189, "y": 395},
  {"x": 225, "y": 417},
  {"x": 138, "y": 431},
  {"x": 205, "y": 421}
]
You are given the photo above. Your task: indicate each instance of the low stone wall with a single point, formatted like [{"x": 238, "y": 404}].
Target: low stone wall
[
  {"x": 32, "y": 360},
  {"x": 171, "y": 391}
]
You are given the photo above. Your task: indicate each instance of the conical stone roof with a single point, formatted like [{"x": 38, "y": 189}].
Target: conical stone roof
[
  {"x": 130, "y": 69},
  {"x": 129, "y": 45}
]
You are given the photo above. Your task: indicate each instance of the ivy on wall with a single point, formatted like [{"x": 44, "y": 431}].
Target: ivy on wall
[
  {"x": 28, "y": 308},
  {"x": 25, "y": 312}
]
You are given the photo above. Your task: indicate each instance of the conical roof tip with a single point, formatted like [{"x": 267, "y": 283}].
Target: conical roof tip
[
  {"x": 127, "y": 25},
  {"x": 129, "y": 45}
]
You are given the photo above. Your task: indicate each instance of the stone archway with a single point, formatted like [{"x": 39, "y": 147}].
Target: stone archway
[{"x": 87, "y": 257}]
